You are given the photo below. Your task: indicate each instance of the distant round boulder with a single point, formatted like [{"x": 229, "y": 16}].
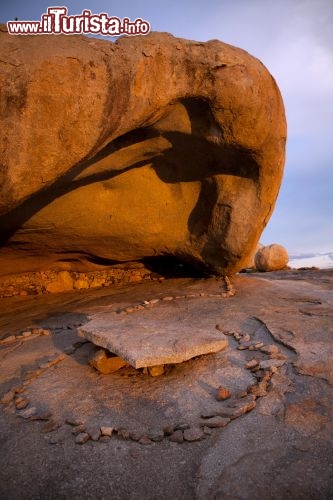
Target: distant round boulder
[{"x": 271, "y": 258}]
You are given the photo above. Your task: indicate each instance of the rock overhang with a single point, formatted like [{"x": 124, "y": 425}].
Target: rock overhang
[{"x": 162, "y": 146}]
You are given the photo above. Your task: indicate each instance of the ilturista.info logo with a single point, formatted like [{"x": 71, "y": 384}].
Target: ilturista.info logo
[{"x": 56, "y": 22}]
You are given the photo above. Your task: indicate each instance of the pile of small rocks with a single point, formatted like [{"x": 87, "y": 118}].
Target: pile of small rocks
[
  {"x": 228, "y": 291},
  {"x": 26, "y": 335},
  {"x": 52, "y": 281}
]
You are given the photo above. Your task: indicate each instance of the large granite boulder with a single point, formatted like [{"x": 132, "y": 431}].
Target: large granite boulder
[
  {"x": 271, "y": 258},
  {"x": 153, "y": 145}
]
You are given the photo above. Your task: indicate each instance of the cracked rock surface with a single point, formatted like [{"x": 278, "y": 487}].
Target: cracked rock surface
[{"x": 66, "y": 428}]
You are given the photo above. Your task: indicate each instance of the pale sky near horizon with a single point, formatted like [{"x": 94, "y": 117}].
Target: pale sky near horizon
[{"x": 294, "y": 39}]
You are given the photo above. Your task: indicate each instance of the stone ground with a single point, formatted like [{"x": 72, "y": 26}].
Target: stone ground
[{"x": 271, "y": 439}]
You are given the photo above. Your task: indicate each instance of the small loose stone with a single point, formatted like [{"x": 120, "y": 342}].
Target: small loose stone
[
  {"x": 124, "y": 433},
  {"x": 193, "y": 434},
  {"x": 270, "y": 349},
  {"x": 82, "y": 438},
  {"x": 21, "y": 403},
  {"x": 156, "y": 371},
  {"x": 251, "y": 364},
  {"x": 145, "y": 440},
  {"x": 246, "y": 338},
  {"x": 94, "y": 433},
  {"x": 43, "y": 331},
  {"x": 176, "y": 437},
  {"x": 154, "y": 301},
  {"x": 216, "y": 421},
  {"x": 258, "y": 345},
  {"x": 107, "y": 431},
  {"x": 75, "y": 422},
  {"x": 51, "y": 426},
  {"x": 26, "y": 334},
  {"x": 9, "y": 339},
  {"x": 222, "y": 393},
  {"x": 136, "y": 435},
  {"x": 168, "y": 430},
  {"x": 155, "y": 435},
  {"x": 26, "y": 414},
  {"x": 8, "y": 397},
  {"x": 168, "y": 298},
  {"x": 79, "y": 429},
  {"x": 241, "y": 394},
  {"x": 269, "y": 364},
  {"x": 181, "y": 426}
]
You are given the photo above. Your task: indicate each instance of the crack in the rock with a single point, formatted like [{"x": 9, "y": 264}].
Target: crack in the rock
[{"x": 275, "y": 337}]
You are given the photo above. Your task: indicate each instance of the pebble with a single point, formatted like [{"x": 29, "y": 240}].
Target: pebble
[
  {"x": 258, "y": 345},
  {"x": 251, "y": 364},
  {"x": 107, "y": 431},
  {"x": 28, "y": 413},
  {"x": 7, "y": 397},
  {"x": 193, "y": 434},
  {"x": 124, "y": 433},
  {"x": 145, "y": 440},
  {"x": 79, "y": 429},
  {"x": 43, "y": 331},
  {"x": 21, "y": 403},
  {"x": 270, "y": 349},
  {"x": 241, "y": 394},
  {"x": 11, "y": 338},
  {"x": 176, "y": 437},
  {"x": 168, "y": 298},
  {"x": 269, "y": 364},
  {"x": 216, "y": 421},
  {"x": 156, "y": 371},
  {"x": 181, "y": 427},
  {"x": 155, "y": 435},
  {"x": 259, "y": 390},
  {"x": 222, "y": 393},
  {"x": 95, "y": 434},
  {"x": 246, "y": 338},
  {"x": 82, "y": 438},
  {"x": 41, "y": 415},
  {"x": 26, "y": 334},
  {"x": 168, "y": 430},
  {"x": 243, "y": 406},
  {"x": 50, "y": 426},
  {"x": 75, "y": 422},
  {"x": 154, "y": 301},
  {"x": 136, "y": 435}
]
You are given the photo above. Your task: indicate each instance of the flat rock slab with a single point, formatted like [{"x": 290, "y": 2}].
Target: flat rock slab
[{"x": 142, "y": 340}]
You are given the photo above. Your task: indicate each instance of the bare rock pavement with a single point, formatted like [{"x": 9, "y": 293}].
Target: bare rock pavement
[{"x": 253, "y": 420}]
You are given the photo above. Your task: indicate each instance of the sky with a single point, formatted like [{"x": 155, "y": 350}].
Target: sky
[{"x": 294, "y": 39}]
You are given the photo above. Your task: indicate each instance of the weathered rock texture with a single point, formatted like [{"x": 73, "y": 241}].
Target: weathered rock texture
[
  {"x": 152, "y": 145},
  {"x": 271, "y": 258}
]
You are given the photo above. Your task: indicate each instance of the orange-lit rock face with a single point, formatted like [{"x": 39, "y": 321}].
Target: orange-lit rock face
[{"x": 151, "y": 146}]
